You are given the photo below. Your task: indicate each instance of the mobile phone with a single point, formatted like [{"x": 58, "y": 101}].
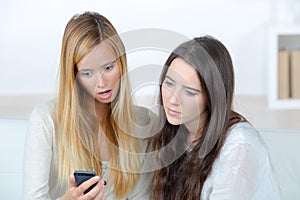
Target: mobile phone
[{"x": 81, "y": 176}]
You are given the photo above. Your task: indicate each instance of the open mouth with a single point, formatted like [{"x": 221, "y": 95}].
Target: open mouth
[
  {"x": 105, "y": 95},
  {"x": 105, "y": 92}
]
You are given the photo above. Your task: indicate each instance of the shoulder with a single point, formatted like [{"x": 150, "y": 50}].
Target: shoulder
[
  {"x": 242, "y": 164},
  {"x": 242, "y": 132},
  {"x": 42, "y": 124},
  {"x": 44, "y": 111},
  {"x": 243, "y": 136}
]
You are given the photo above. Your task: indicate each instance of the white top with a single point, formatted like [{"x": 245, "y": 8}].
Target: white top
[
  {"x": 104, "y": 167},
  {"x": 41, "y": 161},
  {"x": 242, "y": 170}
]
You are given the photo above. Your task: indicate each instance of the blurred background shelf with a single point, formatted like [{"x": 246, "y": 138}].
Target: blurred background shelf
[{"x": 282, "y": 36}]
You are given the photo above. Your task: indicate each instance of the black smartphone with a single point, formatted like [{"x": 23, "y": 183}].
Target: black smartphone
[{"x": 81, "y": 176}]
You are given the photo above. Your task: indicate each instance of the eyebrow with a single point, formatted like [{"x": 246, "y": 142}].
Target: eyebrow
[
  {"x": 103, "y": 65},
  {"x": 186, "y": 87},
  {"x": 190, "y": 88},
  {"x": 169, "y": 78},
  {"x": 108, "y": 63}
]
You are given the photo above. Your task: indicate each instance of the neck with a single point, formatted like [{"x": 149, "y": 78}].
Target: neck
[
  {"x": 101, "y": 110},
  {"x": 194, "y": 137},
  {"x": 103, "y": 145},
  {"x": 196, "y": 130}
]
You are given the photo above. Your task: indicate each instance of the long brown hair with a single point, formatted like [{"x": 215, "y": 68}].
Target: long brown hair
[
  {"x": 185, "y": 176},
  {"x": 77, "y": 134}
]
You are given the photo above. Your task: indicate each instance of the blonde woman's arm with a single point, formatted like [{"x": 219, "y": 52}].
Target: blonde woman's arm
[{"x": 38, "y": 155}]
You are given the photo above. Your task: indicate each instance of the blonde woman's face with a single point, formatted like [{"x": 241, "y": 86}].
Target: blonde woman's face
[
  {"x": 99, "y": 73},
  {"x": 183, "y": 99}
]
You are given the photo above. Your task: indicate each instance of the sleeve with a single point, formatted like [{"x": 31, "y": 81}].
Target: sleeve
[
  {"x": 237, "y": 173},
  {"x": 38, "y": 155}
]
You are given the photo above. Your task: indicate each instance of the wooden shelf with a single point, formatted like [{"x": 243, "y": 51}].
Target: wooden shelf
[{"x": 280, "y": 37}]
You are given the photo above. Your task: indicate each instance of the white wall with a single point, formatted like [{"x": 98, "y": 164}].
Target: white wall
[{"x": 31, "y": 32}]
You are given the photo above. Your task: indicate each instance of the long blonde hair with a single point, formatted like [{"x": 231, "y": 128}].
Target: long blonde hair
[{"x": 77, "y": 135}]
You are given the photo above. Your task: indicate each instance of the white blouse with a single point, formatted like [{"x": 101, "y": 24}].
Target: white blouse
[
  {"x": 243, "y": 170},
  {"x": 41, "y": 161}
]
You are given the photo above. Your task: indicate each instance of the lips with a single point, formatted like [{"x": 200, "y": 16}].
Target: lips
[
  {"x": 173, "y": 111},
  {"x": 105, "y": 94}
]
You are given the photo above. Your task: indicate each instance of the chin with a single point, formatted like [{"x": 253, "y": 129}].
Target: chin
[{"x": 174, "y": 122}]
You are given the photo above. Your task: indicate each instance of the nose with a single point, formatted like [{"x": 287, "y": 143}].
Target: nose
[
  {"x": 100, "y": 81},
  {"x": 174, "y": 99}
]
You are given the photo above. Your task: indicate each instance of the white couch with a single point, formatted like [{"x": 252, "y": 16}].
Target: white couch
[
  {"x": 12, "y": 134},
  {"x": 284, "y": 150},
  {"x": 284, "y": 147}
]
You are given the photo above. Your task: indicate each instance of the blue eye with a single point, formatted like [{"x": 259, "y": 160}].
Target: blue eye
[{"x": 86, "y": 73}]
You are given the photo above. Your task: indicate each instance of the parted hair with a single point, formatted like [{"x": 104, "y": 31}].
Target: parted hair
[
  {"x": 184, "y": 178},
  {"x": 77, "y": 134}
]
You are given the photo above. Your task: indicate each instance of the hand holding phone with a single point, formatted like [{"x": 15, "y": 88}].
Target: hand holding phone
[{"x": 82, "y": 176}]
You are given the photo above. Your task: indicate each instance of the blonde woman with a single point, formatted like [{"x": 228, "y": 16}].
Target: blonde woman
[{"x": 92, "y": 123}]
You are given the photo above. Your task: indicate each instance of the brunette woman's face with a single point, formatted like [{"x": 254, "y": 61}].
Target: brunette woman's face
[
  {"x": 99, "y": 73},
  {"x": 182, "y": 95}
]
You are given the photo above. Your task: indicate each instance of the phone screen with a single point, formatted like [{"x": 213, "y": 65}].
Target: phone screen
[{"x": 81, "y": 176}]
